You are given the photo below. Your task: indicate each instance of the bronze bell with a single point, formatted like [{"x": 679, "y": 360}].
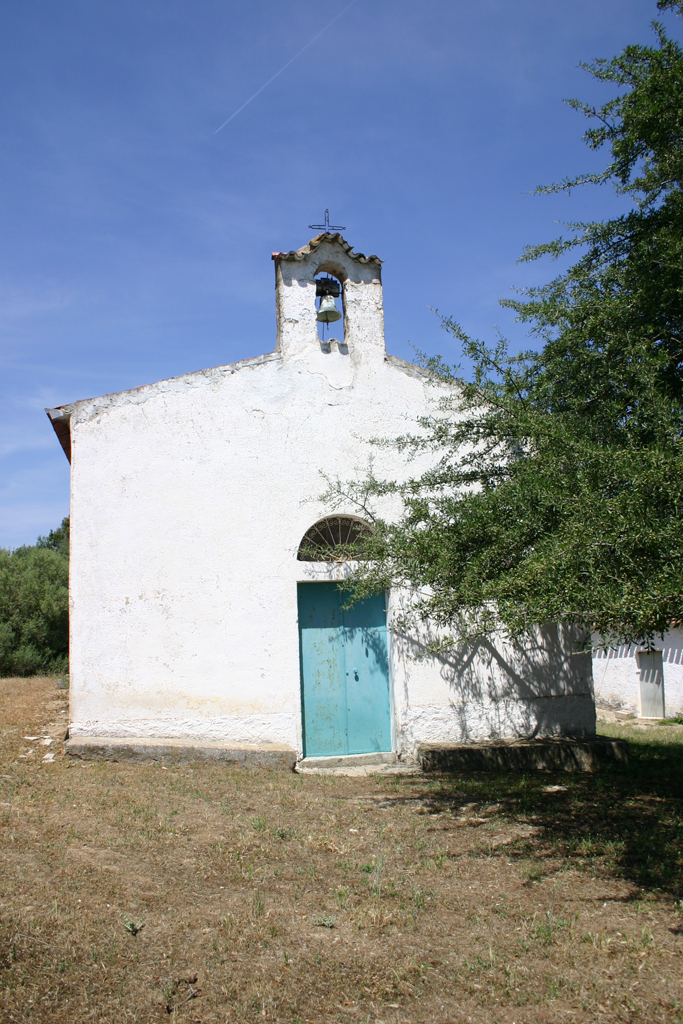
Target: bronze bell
[
  {"x": 327, "y": 289},
  {"x": 328, "y": 311}
]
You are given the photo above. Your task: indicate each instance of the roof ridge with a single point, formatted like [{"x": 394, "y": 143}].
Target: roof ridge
[{"x": 326, "y": 236}]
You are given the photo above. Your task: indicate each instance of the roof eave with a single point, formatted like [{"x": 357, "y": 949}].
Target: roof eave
[{"x": 60, "y": 418}]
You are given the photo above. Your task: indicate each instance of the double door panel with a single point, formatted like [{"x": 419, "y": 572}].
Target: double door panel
[{"x": 344, "y": 672}]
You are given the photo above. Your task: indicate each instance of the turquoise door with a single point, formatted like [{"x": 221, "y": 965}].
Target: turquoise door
[{"x": 344, "y": 673}]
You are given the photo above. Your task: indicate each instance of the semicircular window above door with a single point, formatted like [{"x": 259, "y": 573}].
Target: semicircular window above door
[{"x": 334, "y": 539}]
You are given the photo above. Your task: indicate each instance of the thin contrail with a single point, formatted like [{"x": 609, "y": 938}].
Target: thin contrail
[{"x": 284, "y": 68}]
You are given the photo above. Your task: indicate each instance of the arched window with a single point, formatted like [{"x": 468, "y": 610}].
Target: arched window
[{"x": 333, "y": 539}]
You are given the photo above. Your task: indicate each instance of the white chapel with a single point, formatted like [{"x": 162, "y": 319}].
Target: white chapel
[{"x": 203, "y": 611}]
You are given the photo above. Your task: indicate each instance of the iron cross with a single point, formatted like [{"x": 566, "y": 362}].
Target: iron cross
[{"x": 326, "y": 227}]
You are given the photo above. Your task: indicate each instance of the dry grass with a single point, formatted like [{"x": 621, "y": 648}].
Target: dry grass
[{"x": 259, "y": 896}]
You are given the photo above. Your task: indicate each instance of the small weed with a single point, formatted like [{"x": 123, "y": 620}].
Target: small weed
[
  {"x": 598, "y": 940},
  {"x": 418, "y": 899},
  {"x": 259, "y": 908},
  {"x": 375, "y": 879},
  {"x": 259, "y": 824},
  {"x": 134, "y": 927},
  {"x": 480, "y": 963},
  {"x": 533, "y": 871},
  {"x": 554, "y": 987},
  {"x": 324, "y": 921},
  {"x": 341, "y": 895},
  {"x": 545, "y": 930}
]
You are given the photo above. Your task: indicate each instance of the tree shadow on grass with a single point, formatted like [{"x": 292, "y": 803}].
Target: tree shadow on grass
[{"x": 624, "y": 821}]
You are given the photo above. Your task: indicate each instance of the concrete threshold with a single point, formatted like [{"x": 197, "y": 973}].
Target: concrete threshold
[
  {"x": 154, "y": 750},
  {"x": 358, "y": 765},
  {"x": 347, "y": 760},
  {"x": 550, "y": 755}
]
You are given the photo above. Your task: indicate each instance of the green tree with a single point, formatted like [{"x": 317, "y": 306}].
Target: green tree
[
  {"x": 57, "y": 540},
  {"x": 556, "y": 487},
  {"x": 34, "y": 606}
]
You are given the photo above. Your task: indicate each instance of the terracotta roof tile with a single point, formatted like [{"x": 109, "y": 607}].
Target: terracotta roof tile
[{"x": 305, "y": 250}]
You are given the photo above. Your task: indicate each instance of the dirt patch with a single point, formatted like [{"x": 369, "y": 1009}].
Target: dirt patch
[{"x": 138, "y": 893}]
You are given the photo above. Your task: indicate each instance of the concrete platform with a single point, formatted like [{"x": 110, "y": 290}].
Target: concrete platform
[
  {"x": 177, "y": 751},
  {"x": 549, "y": 755}
]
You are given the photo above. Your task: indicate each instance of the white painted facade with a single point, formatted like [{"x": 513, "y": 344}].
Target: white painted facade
[
  {"x": 189, "y": 499},
  {"x": 617, "y": 676}
]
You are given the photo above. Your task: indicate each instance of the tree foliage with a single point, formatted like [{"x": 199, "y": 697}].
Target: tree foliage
[
  {"x": 57, "y": 540},
  {"x": 34, "y": 606},
  {"x": 556, "y": 487}
]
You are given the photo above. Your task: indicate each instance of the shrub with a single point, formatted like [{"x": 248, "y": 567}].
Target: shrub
[{"x": 34, "y": 606}]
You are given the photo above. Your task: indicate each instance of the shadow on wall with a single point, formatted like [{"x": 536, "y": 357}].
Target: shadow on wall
[
  {"x": 672, "y": 652},
  {"x": 502, "y": 690}
]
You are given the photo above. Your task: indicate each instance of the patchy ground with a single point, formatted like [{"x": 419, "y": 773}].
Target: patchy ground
[{"x": 134, "y": 893}]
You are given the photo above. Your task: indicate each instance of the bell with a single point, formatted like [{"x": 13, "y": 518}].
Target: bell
[{"x": 328, "y": 311}]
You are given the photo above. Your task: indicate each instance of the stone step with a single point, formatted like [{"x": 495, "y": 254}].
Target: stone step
[
  {"x": 152, "y": 750},
  {"x": 346, "y": 760}
]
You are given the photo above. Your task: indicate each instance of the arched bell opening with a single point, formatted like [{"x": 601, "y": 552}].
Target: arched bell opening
[
  {"x": 329, "y": 302},
  {"x": 334, "y": 539}
]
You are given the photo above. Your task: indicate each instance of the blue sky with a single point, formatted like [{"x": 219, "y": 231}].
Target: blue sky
[{"x": 136, "y": 241}]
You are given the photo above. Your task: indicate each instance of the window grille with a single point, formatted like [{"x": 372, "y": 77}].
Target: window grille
[{"x": 333, "y": 539}]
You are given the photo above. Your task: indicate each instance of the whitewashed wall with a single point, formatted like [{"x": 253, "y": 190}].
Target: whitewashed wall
[
  {"x": 615, "y": 673},
  {"x": 189, "y": 499}
]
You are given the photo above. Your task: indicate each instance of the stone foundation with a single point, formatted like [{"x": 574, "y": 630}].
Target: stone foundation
[{"x": 176, "y": 751}]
